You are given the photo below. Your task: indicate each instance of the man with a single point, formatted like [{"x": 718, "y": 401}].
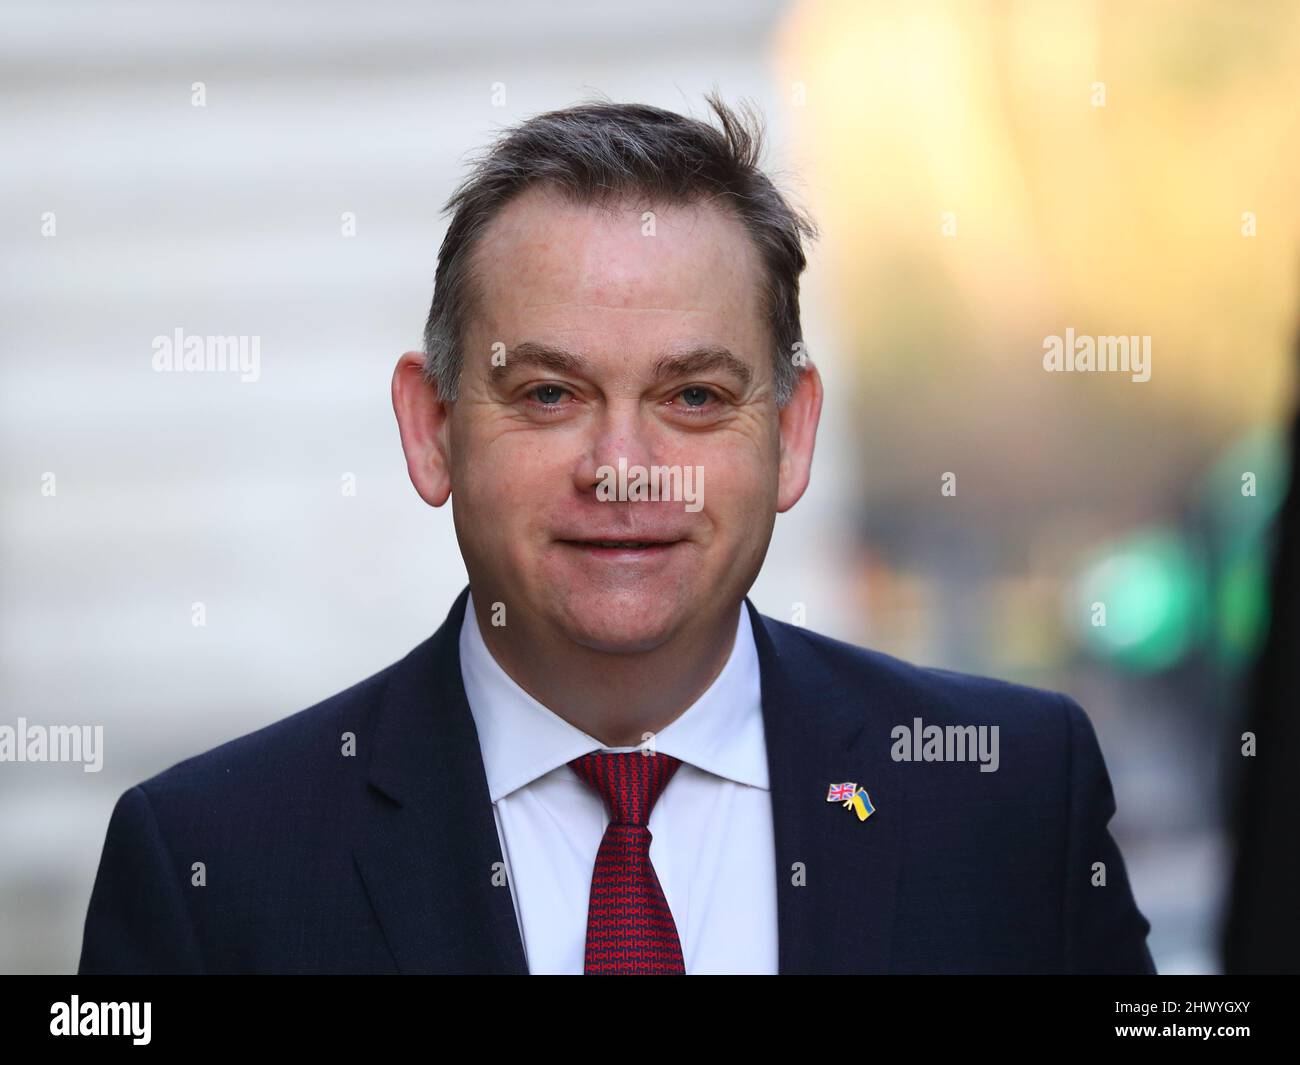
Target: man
[{"x": 606, "y": 760}]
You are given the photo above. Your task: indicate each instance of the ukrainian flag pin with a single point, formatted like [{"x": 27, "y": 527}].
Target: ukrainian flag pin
[{"x": 852, "y": 798}]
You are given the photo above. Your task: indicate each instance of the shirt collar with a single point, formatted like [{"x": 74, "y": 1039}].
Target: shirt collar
[{"x": 521, "y": 740}]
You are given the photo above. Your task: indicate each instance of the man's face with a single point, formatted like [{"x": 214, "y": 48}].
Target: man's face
[{"x": 526, "y": 440}]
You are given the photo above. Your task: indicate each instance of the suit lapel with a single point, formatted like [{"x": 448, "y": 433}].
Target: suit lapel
[
  {"x": 817, "y": 733},
  {"x": 427, "y": 843}
]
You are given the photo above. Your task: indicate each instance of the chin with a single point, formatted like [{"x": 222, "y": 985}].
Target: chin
[{"x": 618, "y": 624}]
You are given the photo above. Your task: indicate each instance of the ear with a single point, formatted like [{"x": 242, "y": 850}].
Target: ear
[
  {"x": 797, "y": 424},
  {"x": 422, "y": 422}
]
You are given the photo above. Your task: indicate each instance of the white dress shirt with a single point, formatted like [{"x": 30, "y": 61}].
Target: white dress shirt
[{"x": 711, "y": 830}]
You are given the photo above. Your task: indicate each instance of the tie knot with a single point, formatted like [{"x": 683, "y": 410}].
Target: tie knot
[{"x": 630, "y": 782}]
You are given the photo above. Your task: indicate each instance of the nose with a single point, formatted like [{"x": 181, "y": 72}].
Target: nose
[{"x": 622, "y": 431}]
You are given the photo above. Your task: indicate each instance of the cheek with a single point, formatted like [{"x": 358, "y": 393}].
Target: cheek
[
  {"x": 504, "y": 478},
  {"x": 737, "y": 489}
]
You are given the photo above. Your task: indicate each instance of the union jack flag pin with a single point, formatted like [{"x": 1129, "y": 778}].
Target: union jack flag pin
[{"x": 852, "y": 797}]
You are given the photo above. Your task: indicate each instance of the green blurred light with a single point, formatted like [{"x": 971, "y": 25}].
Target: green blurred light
[
  {"x": 1241, "y": 537},
  {"x": 1243, "y": 608},
  {"x": 1154, "y": 592}
]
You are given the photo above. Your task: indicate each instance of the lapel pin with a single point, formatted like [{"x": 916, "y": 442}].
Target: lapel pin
[{"x": 851, "y": 797}]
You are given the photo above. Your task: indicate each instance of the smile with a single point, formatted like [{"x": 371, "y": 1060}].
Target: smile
[{"x": 622, "y": 549}]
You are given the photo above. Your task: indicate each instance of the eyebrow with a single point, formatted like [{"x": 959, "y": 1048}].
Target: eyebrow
[
  {"x": 698, "y": 360},
  {"x": 532, "y": 354},
  {"x": 702, "y": 360}
]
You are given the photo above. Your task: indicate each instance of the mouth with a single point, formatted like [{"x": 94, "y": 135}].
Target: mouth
[{"x": 622, "y": 550}]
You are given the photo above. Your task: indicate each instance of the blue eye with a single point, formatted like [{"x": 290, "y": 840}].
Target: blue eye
[
  {"x": 554, "y": 390},
  {"x": 702, "y": 393}
]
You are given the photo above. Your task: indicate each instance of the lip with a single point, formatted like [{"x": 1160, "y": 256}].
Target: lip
[{"x": 656, "y": 549}]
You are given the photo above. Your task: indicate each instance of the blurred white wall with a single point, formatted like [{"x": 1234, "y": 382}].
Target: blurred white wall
[{"x": 173, "y": 489}]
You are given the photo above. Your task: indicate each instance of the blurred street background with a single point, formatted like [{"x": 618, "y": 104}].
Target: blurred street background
[{"x": 985, "y": 176}]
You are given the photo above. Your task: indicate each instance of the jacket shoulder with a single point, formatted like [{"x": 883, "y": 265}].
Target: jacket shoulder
[
  {"x": 305, "y": 742},
  {"x": 878, "y": 681}
]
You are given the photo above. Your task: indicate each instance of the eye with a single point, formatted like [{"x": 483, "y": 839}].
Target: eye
[
  {"x": 696, "y": 398},
  {"x": 548, "y": 395}
]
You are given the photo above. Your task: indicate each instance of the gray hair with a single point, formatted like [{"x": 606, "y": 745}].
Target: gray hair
[{"x": 594, "y": 153}]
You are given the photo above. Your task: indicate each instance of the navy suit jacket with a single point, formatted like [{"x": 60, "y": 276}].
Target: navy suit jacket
[{"x": 313, "y": 861}]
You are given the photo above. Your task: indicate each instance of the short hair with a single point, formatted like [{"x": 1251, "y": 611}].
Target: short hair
[{"x": 596, "y": 153}]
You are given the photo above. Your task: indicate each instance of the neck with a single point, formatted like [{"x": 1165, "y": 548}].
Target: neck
[{"x": 617, "y": 699}]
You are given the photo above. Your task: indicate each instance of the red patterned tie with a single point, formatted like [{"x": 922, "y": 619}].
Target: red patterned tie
[{"x": 630, "y": 929}]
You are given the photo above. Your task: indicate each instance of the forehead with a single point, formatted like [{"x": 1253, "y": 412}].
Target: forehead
[{"x": 544, "y": 262}]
